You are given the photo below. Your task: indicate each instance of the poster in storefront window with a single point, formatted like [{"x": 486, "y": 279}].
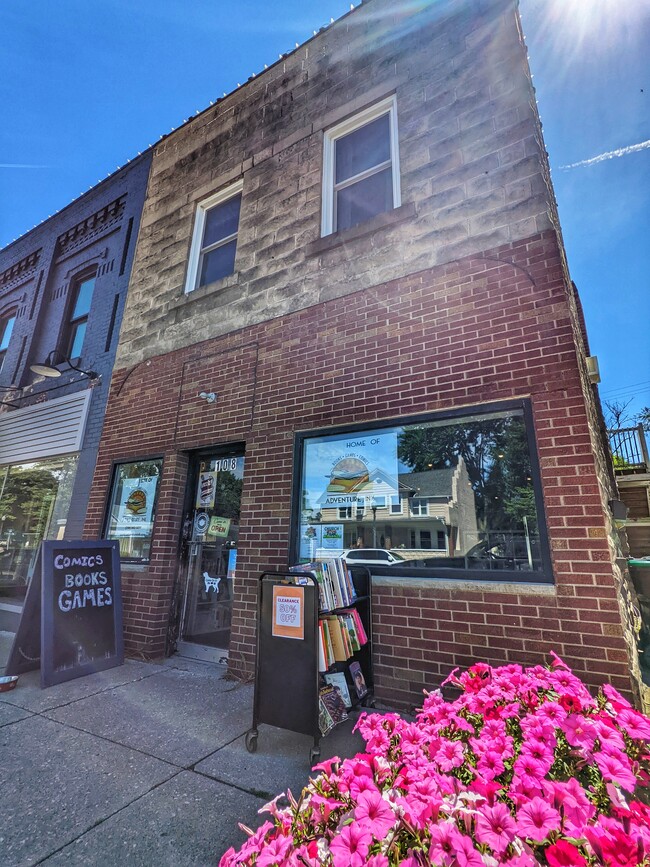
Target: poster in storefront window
[
  {"x": 350, "y": 469},
  {"x": 206, "y": 490},
  {"x": 135, "y": 509},
  {"x": 332, "y": 536}
]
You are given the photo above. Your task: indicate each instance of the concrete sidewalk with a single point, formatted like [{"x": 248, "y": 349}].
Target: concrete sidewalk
[{"x": 144, "y": 764}]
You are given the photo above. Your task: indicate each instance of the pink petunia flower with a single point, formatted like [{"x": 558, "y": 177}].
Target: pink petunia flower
[
  {"x": 490, "y": 765},
  {"x": 466, "y": 854},
  {"x": 564, "y": 854},
  {"x": 495, "y": 827},
  {"x": 579, "y": 731},
  {"x": 613, "y": 769},
  {"x": 537, "y": 819},
  {"x": 528, "y": 772},
  {"x": 614, "y": 697},
  {"x": 444, "y": 842},
  {"x": 450, "y": 755},
  {"x": 350, "y": 846},
  {"x": 374, "y": 814},
  {"x": 274, "y": 852},
  {"x": 635, "y": 724}
]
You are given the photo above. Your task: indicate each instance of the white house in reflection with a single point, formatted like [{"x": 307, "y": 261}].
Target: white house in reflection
[{"x": 432, "y": 511}]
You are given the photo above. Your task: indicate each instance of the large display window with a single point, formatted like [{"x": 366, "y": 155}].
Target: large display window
[
  {"x": 132, "y": 507},
  {"x": 448, "y": 495},
  {"x": 34, "y": 502}
]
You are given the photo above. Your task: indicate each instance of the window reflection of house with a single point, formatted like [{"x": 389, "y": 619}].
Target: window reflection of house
[{"x": 433, "y": 511}]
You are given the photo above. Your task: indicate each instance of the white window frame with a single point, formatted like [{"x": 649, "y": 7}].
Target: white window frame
[
  {"x": 386, "y": 106},
  {"x": 396, "y": 505},
  {"x": 422, "y": 507},
  {"x": 199, "y": 223}
]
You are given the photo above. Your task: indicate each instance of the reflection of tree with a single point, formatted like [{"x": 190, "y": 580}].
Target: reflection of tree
[
  {"x": 27, "y": 499},
  {"x": 495, "y": 452},
  {"x": 228, "y": 500},
  {"x": 65, "y": 475},
  {"x": 140, "y": 468}
]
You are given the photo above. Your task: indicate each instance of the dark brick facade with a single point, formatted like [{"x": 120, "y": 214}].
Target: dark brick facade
[{"x": 97, "y": 231}]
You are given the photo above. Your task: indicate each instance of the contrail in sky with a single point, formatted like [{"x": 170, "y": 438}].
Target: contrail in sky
[
  {"x": 20, "y": 166},
  {"x": 621, "y": 152}
]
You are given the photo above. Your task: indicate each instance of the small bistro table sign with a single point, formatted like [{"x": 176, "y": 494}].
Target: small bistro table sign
[{"x": 80, "y": 613}]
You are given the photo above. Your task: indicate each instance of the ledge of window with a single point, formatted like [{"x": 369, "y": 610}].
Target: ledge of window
[
  {"x": 134, "y": 565},
  {"x": 369, "y": 227},
  {"x": 196, "y": 294},
  {"x": 514, "y": 588}
]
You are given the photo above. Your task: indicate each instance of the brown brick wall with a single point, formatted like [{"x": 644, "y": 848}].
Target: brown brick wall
[{"x": 485, "y": 328}]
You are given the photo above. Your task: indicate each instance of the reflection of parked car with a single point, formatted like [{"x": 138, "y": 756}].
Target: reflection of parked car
[
  {"x": 375, "y": 556},
  {"x": 479, "y": 556}
]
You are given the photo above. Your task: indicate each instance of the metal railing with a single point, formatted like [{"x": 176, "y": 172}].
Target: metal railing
[{"x": 629, "y": 449}]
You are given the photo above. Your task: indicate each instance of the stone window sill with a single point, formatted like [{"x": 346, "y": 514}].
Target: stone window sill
[
  {"x": 381, "y": 221},
  {"x": 204, "y": 291},
  {"x": 515, "y": 588}
]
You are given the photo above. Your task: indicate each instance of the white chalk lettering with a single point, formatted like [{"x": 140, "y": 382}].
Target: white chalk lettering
[
  {"x": 63, "y": 562},
  {"x": 89, "y": 598}
]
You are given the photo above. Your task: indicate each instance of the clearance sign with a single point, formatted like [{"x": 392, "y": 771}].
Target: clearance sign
[{"x": 289, "y": 612}]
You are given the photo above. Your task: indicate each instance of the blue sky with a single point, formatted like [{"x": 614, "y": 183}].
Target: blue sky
[{"x": 86, "y": 85}]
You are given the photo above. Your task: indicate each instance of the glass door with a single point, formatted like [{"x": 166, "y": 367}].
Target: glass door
[{"x": 212, "y": 556}]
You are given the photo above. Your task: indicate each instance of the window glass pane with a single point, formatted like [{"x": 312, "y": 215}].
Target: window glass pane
[
  {"x": 5, "y": 332},
  {"x": 34, "y": 503},
  {"x": 77, "y": 339},
  {"x": 365, "y": 199},
  {"x": 132, "y": 507},
  {"x": 84, "y": 297},
  {"x": 217, "y": 263},
  {"x": 468, "y": 483},
  {"x": 221, "y": 221},
  {"x": 362, "y": 149}
]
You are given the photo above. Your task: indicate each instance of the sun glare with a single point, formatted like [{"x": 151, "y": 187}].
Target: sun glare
[{"x": 572, "y": 26}]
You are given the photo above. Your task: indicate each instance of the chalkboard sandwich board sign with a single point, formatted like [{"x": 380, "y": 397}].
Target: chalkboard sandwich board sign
[{"x": 81, "y": 600}]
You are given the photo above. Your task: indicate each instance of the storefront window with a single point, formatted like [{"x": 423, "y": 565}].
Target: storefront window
[
  {"x": 448, "y": 493},
  {"x": 34, "y": 503},
  {"x": 132, "y": 507}
]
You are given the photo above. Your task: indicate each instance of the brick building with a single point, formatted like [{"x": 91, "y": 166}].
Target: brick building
[
  {"x": 62, "y": 292},
  {"x": 350, "y": 277}
]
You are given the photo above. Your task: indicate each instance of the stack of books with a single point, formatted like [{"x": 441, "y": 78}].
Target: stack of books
[
  {"x": 335, "y": 586},
  {"x": 341, "y": 635}
]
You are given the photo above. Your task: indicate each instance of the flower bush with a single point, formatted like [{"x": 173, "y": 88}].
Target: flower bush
[{"x": 524, "y": 768}]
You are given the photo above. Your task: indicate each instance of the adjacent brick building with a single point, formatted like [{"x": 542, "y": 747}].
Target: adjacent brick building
[
  {"x": 350, "y": 273},
  {"x": 62, "y": 293}
]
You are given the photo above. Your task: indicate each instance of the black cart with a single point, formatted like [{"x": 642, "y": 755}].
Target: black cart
[
  {"x": 287, "y": 679},
  {"x": 286, "y": 670}
]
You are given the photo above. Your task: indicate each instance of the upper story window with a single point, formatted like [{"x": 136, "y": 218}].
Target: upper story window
[
  {"x": 6, "y": 327},
  {"x": 214, "y": 242},
  {"x": 361, "y": 168},
  {"x": 419, "y": 506},
  {"x": 75, "y": 333}
]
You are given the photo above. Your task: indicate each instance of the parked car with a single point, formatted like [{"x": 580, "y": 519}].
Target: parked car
[
  {"x": 372, "y": 556},
  {"x": 479, "y": 556}
]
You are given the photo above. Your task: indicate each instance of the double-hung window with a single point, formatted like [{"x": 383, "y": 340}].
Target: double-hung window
[
  {"x": 361, "y": 168},
  {"x": 214, "y": 242},
  {"x": 6, "y": 327},
  {"x": 78, "y": 316}
]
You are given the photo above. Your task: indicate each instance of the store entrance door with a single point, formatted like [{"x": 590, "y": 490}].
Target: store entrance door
[{"x": 213, "y": 530}]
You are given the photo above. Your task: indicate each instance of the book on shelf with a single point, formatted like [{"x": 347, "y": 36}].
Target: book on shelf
[
  {"x": 340, "y": 636},
  {"x": 358, "y": 680},
  {"x": 331, "y": 708},
  {"x": 334, "y": 580},
  {"x": 338, "y": 680}
]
